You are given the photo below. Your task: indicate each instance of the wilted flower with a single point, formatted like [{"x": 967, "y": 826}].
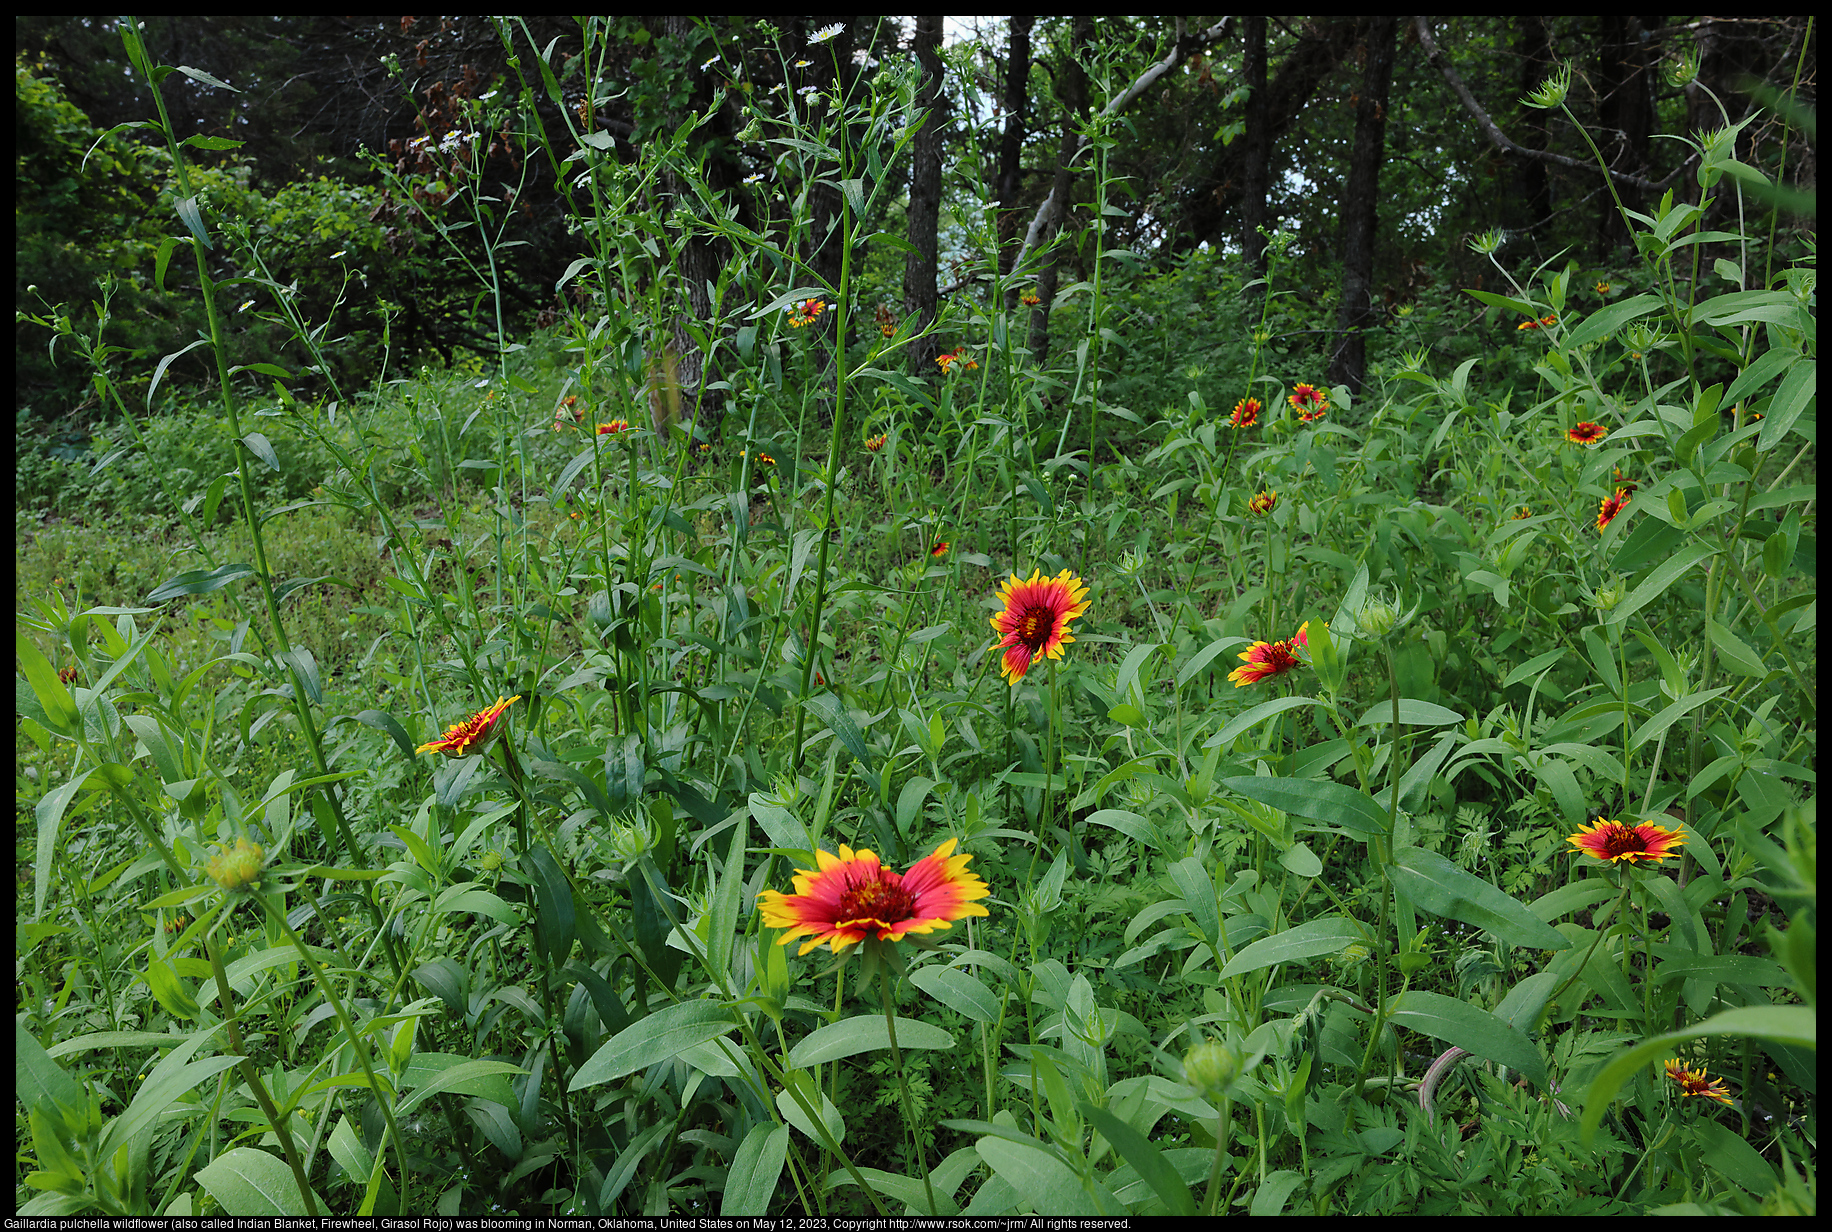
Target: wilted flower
[{"x": 1698, "y": 1082}]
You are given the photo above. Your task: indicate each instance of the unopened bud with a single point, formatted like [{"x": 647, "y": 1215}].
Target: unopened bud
[
  {"x": 237, "y": 867},
  {"x": 1211, "y": 1069}
]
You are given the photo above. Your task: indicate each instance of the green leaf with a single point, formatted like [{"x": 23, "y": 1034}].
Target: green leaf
[
  {"x": 865, "y": 1033},
  {"x": 382, "y": 721},
  {"x": 1044, "y": 1183},
  {"x": 1797, "y": 390},
  {"x": 755, "y": 1169},
  {"x": 1311, "y": 939},
  {"x": 1656, "y": 583},
  {"x": 1412, "y": 713},
  {"x": 1538, "y": 662},
  {"x": 1270, "y": 1198},
  {"x": 1609, "y": 320},
  {"x": 1317, "y": 799},
  {"x": 832, "y": 1126},
  {"x": 1736, "y": 654},
  {"x": 51, "y": 692},
  {"x": 832, "y": 712},
  {"x": 656, "y": 1038},
  {"x": 36, "y": 1076},
  {"x": 193, "y": 219},
  {"x": 1672, "y": 714},
  {"x": 1145, "y": 1159},
  {"x": 200, "y": 582},
  {"x": 466, "y": 1078},
  {"x": 1470, "y": 1028},
  {"x": 251, "y": 1184},
  {"x": 1440, "y": 887},
  {"x": 1731, "y": 1157},
  {"x": 1255, "y": 716},
  {"x": 1205, "y": 656},
  {"x": 262, "y": 448},
  {"x": 957, "y": 990}
]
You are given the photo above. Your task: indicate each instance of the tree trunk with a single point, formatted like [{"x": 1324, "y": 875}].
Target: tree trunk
[
  {"x": 1625, "y": 112},
  {"x": 1348, "y": 365},
  {"x": 1256, "y": 174},
  {"x": 1532, "y": 195},
  {"x": 1321, "y": 48},
  {"x": 1074, "y": 94},
  {"x": 919, "y": 267},
  {"x": 1011, "y": 144}
]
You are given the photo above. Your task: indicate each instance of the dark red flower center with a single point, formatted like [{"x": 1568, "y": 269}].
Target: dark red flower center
[
  {"x": 1619, "y": 840},
  {"x": 877, "y": 900},
  {"x": 1034, "y": 627}
]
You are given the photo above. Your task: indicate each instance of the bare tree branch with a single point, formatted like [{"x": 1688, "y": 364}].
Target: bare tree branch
[
  {"x": 1502, "y": 142},
  {"x": 1051, "y": 209}
]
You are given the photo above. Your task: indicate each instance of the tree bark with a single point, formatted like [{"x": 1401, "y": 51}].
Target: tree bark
[
  {"x": 1532, "y": 195},
  {"x": 919, "y": 267},
  {"x": 1625, "y": 112},
  {"x": 1348, "y": 365},
  {"x": 1011, "y": 143},
  {"x": 1074, "y": 94},
  {"x": 1256, "y": 173}
]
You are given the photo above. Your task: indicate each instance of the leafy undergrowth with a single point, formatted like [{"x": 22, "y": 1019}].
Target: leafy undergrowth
[{"x": 1393, "y": 803}]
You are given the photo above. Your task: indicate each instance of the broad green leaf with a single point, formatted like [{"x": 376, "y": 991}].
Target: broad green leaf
[
  {"x": 1270, "y": 1198},
  {"x": 1609, "y": 320},
  {"x": 1662, "y": 576},
  {"x": 1256, "y": 715},
  {"x": 1672, "y": 714},
  {"x": 1729, "y": 1155},
  {"x": 833, "y": 1125},
  {"x": 1205, "y": 656},
  {"x": 1798, "y": 389},
  {"x": 37, "y": 1076},
  {"x": 251, "y": 1184},
  {"x": 200, "y": 582},
  {"x": 1412, "y": 713},
  {"x": 1317, "y": 799},
  {"x": 1311, "y": 939},
  {"x": 1440, "y": 887},
  {"x": 957, "y": 990},
  {"x": 1136, "y": 1149},
  {"x": 466, "y": 1078},
  {"x": 865, "y": 1033},
  {"x": 755, "y": 1169},
  {"x": 1470, "y": 1028},
  {"x": 656, "y": 1038},
  {"x": 1536, "y": 664},
  {"x": 832, "y": 712},
  {"x": 1043, "y": 1181}
]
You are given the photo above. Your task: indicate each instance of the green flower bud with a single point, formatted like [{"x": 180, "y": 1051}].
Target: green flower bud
[
  {"x": 1211, "y": 1069},
  {"x": 1551, "y": 92},
  {"x": 237, "y": 867}
]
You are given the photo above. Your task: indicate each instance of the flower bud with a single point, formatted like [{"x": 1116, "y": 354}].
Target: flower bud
[
  {"x": 1551, "y": 92},
  {"x": 1609, "y": 595},
  {"x": 1377, "y": 617},
  {"x": 1211, "y": 1069},
  {"x": 237, "y": 867}
]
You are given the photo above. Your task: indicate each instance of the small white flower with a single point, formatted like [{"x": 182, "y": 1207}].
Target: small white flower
[
  {"x": 246, "y": 305},
  {"x": 804, "y": 91},
  {"x": 754, "y": 178},
  {"x": 708, "y": 64},
  {"x": 826, "y": 32},
  {"x": 803, "y": 63},
  {"x": 863, "y": 59},
  {"x": 340, "y": 252}
]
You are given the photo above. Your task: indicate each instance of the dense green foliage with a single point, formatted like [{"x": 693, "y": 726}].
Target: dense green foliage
[{"x": 413, "y": 747}]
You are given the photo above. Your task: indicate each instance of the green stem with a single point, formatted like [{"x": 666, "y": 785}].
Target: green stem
[{"x": 903, "y": 1084}]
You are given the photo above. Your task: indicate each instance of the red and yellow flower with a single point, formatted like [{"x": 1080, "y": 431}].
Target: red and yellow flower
[
  {"x": 948, "y": 359},
  {"x": 1586, "y": 433},
  {"x": 1030, "y": 299},
  {"x": 1616, "y": 842},
  {"x": 941, "y": 548},
  {"x": 1697, "y": 1082},
  {"x": 1246, "y": 413},
  {"x": 887, "y": 322},
  {"x": 614, "y": 427},
  {"x": 805, "y": 312},
  {"x": 1036, "y": 618},
  {"x": 1309, "y": 402},
  {"x": 1611, "y": 506},
  {"x": 1264, "y": 503},
  {"x": 874, "y": 443},
  {"x": 1263, "y": 660},
  {"x": 851, "y": 898},
  {"x": 472, "y": 735}
]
